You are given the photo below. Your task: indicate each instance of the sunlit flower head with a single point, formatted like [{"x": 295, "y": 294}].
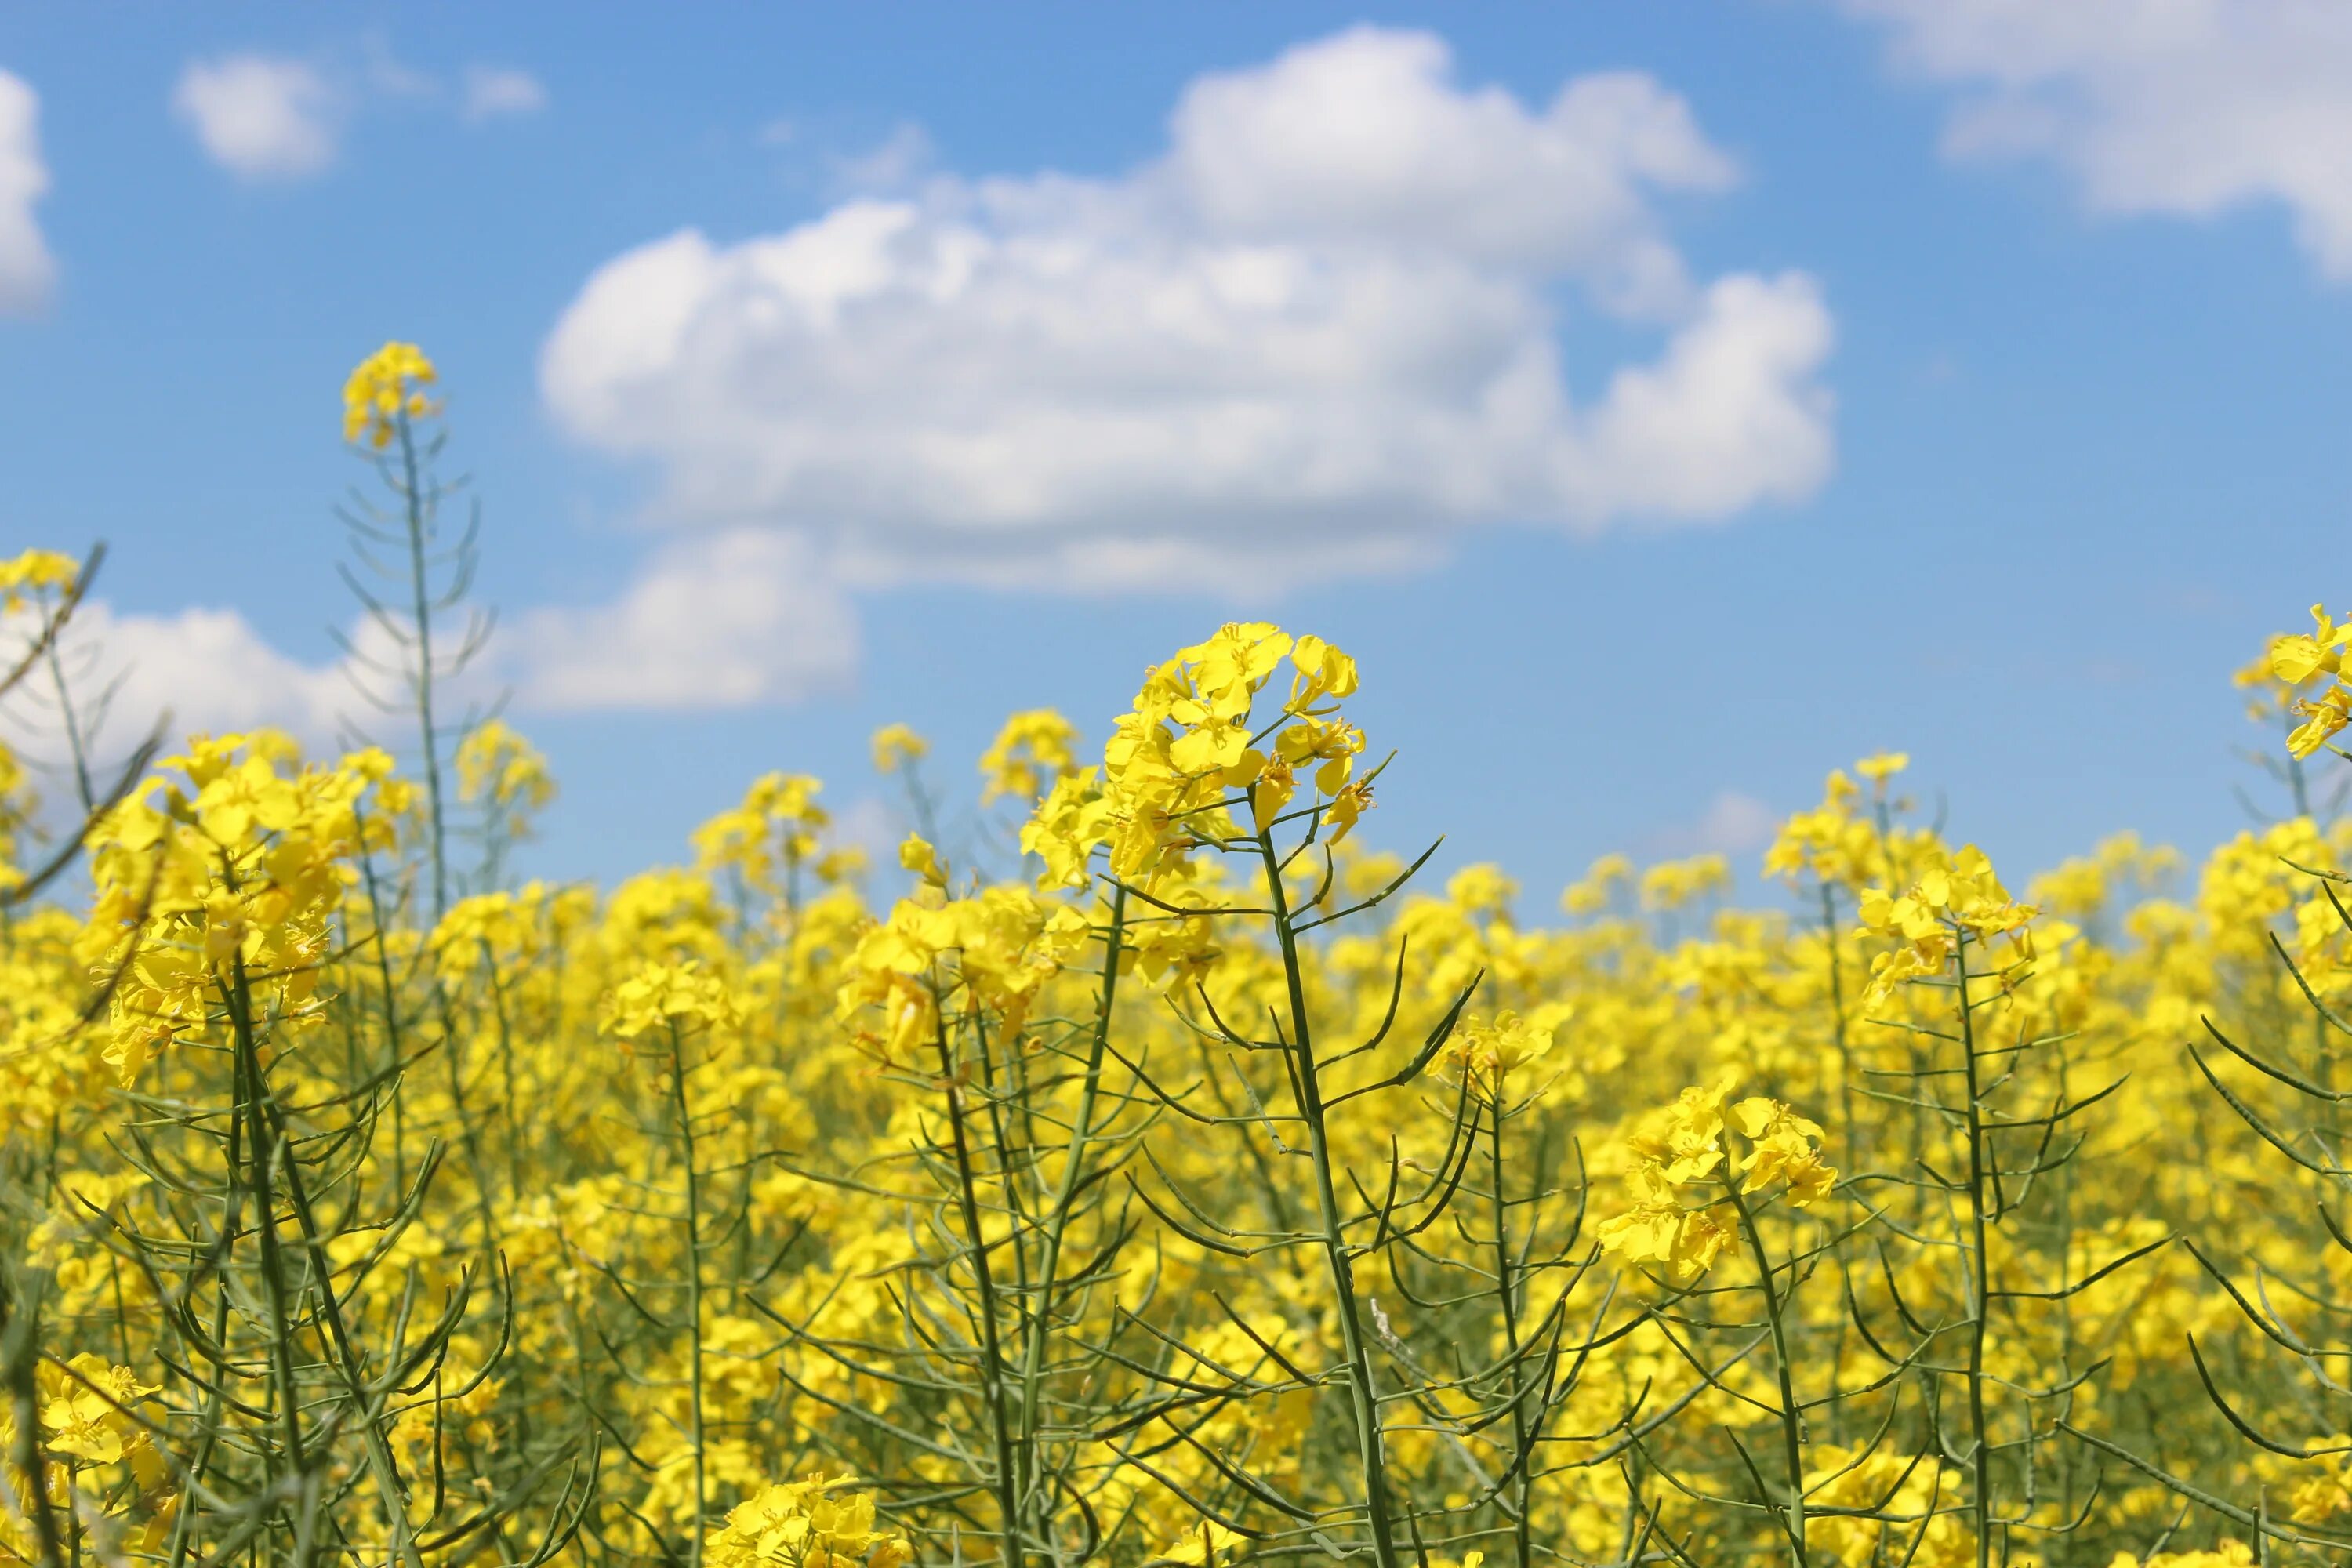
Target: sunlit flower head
[{"x": 387, "y": 388}]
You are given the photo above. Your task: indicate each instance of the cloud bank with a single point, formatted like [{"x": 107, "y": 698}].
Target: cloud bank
[
  {"x": 2179, "y": 107},
  {"x": 1328, "y": 328},
  {"x": 731, "y": 621},
  {"x": 1324, "y": 327}
]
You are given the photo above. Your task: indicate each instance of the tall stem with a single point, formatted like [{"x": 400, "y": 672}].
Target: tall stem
[
  {"x": 263, "y": 1153},
  {"x": 1058, "y": 1218},
  {"x": 1981, "y": 1450},
  {"x": 427, "y": 736},
  {"x": 1507, "y": 1290},
  {"x": 1008, "y": 1494},
  {"x": 75, "y": 743},
  {"x": 1793, "y": 1430},
  {"x": 693, "y": 1284},
  {"x": 1308, "y": 1093}
]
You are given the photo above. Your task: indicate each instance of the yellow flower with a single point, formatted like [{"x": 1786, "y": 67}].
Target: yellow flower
[
  {"x": 384, "y": 390},
  {"x": 1785, "y": 1149},
  {"x": 2295, "y": 659},
  {"x": 918, "y": 855},
  {"x": 1674, "y": 884},
  {"x": 1034, "y": 750},
  {"x": 2322, "y": 720},
  {"x": 1882, "y": 767},
  {"x": 1684, "y": 1141},
  {"x": 1490, "y": 1050},
  {"x": 1591, "y": 893},
  {"x": 1275, "y": 787},
  {"x": 896, "y": 746},
  {"x": 498, "y": 769},
  {"x": 1954, "y": 894},
  {"x": 1680, "y": 1146},
  {"x": 30, "y": 573},
  {"x": 661, "y": 996},
  {"x": 1682, "y": 1243},
  {"x": 771, "y": 836},
  {"x": 1348, "y": 808},
  {"x": 1323, "y": 672},
  {"x": 799, "y": 1524},
  {"x": 84, "y": 1416}
]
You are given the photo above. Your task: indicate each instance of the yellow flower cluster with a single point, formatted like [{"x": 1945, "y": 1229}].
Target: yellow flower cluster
[
  {"x": 769, "y": 840},
  {"x": 1680, "y": 1217},
  {"x": 1036, "y": 750},
  {"x": 32, "y": 572},
  {"x": 2314, "y": 661},
  {"x": 1193, "y": 737},
  {"x": 1955, "y": 898},
  {"x": 800, "y": 1524},
  {"x": 386, "y": 389},
  {"x": 498, "y": 769},
  {"x": 98, "y": 1459},
  {"x": 1495, "y": 1053},
  {"x": 667, "y": 998},
  {"x": 896, "y": 746},
  {"x": 216, "y": 887},
  {"x": 1003, "y": 947}
]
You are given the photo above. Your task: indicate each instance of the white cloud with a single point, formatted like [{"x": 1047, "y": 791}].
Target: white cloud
[
  {"x": 2186, "y": 108},
  {"x": 1323, "y": 329},
  {"x": 728, "y": 621},
  {"x": 1732, "y": 824},
  {"x": 27, "y": 271},
  {"x": 203, "y": 669},
  {"x": 488, "y": 93},
  {"x": 739, "y": 619},
  {"x": 260, "y": 117},
  {"x": 265, "y": 117}
]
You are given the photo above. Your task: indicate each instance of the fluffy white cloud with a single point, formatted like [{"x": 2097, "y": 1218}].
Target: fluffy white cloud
[
  {"x": 201, "y": 671},
  {"x": 730, "y": 621},
  {"x": 2180, "y": 107},
  {"x": 488, "y": 93},
  {"x": 28, "y": 271},
  {"x": 1326, "y": 324},
  {"x": 260, "y": 117},
  {"x": 741, "y": 618}
]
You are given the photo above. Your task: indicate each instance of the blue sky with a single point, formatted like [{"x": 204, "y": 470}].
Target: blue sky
[{"x": 2016, "y": 344}]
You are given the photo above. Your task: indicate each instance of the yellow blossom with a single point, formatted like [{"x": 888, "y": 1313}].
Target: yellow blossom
[
  {"x": 896, "y": 746},
  {"x": 384, "y": 390}
]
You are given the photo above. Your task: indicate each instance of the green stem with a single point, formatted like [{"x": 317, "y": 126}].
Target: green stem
[
  {"x": 1793, "y": 1430},
  {"x": 1058, "y": 1218},
  {"x": 1980, "y": 1278},
  {"x": 263, "y": 1155},
  {"x": 1507, "y": 1290},
  {"x": 693, "y": 1284},
  {"x": 1308, "y": 1093},
  {"x": 75, "y": 743},
  {"x": 428, "y": 737},
  {"x": 1008, "y": 1494}
]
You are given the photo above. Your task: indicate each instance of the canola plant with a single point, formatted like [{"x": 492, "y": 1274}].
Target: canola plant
[{"x": 1162, "y": 1175}]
